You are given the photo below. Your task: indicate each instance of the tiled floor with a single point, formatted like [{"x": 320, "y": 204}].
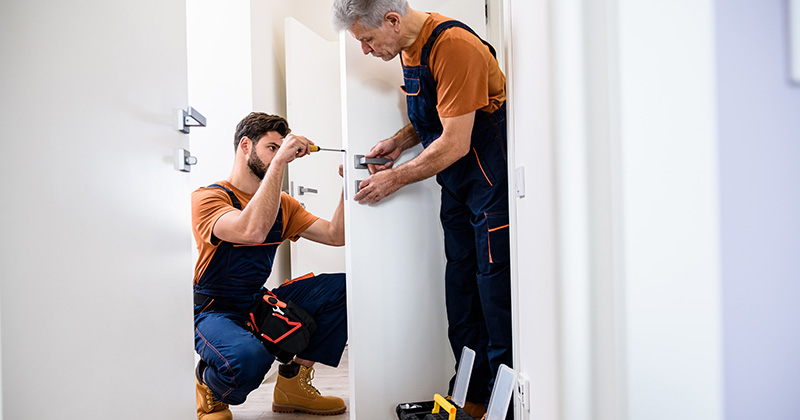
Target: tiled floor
[{"x": 329, "y": 381}]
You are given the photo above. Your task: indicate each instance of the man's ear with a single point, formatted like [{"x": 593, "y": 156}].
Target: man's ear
[
  {"x": 245, "y": 144},
  {"x": 394, "y": 19}
]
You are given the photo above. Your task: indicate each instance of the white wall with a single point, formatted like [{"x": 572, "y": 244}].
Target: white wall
[
  {"x": 534, "y": 270},
  {"x": 669, "y": 199},
  {"x": 759, "y": 122},
  {"x": 645, "y": 168}
]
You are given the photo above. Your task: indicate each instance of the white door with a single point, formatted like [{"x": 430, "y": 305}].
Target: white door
[
  {"x": 95, "y": 264},
  {"x": 313, "y": 109},
  {"x": 399, "y": 350}
]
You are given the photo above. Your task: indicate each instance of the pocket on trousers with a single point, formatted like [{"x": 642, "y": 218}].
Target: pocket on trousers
[
  {"x": 412, "y": 86},
  {"x": 483, "y": 170},
  {"x": 497, "y": 237}
]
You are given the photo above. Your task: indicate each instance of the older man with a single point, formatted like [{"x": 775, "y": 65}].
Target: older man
[{"x": 455, "y": 94}]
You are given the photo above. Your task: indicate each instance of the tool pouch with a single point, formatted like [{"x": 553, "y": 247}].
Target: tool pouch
[{"x": 284, "y": 327}]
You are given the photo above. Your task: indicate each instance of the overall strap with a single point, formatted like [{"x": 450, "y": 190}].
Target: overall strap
[
  {"x": 234, "y": 200},
  {"x": 426, "y": 49},
  {"x": 238, "y": 205}
]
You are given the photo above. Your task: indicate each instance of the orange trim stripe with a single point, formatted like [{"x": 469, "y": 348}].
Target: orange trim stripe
[
  {"x": 498, "y": 228},
  {"x": 255, "y": 324},
  {"x": 489, "y": 245},
  {"x": 481, "y": 166},
  {"x": 206, "y": 307},
  {"x": 295, "y": 325},
  {"x": 309, "y": 275}
]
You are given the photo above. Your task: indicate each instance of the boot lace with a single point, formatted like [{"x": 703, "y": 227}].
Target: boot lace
[
  {"x": 307, "y": 377},
  {"x": 211, "y": 400}
]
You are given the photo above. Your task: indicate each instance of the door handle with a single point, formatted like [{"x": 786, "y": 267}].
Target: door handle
[
  {"x": 186, "y": 119},
  {"x": 362, "y": 162},
  {"x": 302, "y": 190}
]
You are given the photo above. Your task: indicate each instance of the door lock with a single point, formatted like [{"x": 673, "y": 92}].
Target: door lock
[{"x": 184, "y": 160}]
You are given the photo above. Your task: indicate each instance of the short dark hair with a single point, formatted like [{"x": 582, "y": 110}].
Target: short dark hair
[{"x": 257, "y": 124}]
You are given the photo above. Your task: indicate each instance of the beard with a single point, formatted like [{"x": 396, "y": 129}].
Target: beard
[{"x": 257, "y": 166}]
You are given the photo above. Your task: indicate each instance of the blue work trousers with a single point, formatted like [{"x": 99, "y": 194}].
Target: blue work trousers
[
  {"x": 474, "y": 215},
  {"x": 238, "y": 361}
]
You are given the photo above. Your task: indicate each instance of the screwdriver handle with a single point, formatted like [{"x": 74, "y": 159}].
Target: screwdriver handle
[{"x": 314, "y": 148}]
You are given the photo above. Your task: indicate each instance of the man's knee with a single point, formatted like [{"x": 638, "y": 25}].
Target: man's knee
[
  {"x": 335, "y": 284},
  {"x": 252, "y": 362}
]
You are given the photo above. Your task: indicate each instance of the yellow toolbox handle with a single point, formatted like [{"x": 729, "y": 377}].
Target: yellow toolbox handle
[{"x": 440, "y": 401}]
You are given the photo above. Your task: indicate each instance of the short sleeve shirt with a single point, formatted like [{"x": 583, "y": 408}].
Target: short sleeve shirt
[
  {"x": 210, "y": 203},
  {"x": 467, "y": 75}
]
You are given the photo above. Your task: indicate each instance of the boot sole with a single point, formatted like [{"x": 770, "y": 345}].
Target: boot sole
[{"x": 292, "y": 408}]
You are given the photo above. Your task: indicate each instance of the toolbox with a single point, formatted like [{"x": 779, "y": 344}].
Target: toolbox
[
  {"x": 443, "y": 409},
  {"x": 438, "y": 409}
]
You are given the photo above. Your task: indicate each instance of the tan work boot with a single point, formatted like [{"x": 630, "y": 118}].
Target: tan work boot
[
  {"x": 474, "y": 409},
  {"x": 208, "y": 407},
  {"x": 298, "y": 394}
]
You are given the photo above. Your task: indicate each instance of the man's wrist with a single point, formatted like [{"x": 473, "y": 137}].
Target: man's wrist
[{"x": 275, "y": 169}]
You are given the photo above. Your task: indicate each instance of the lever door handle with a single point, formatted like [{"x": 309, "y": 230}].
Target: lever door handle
[
  {"x": 186, "y": 119},
  {"x": 302, "y": 190},
  {"x": 362, "y": 162}
]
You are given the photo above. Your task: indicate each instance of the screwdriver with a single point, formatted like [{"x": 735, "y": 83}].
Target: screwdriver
[{"x": 315, "y": 148}]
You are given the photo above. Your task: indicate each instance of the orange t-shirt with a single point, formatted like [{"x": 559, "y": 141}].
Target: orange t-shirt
[
  {"x": 210, "y": 203},
  {"x": 467, "y": 76}
]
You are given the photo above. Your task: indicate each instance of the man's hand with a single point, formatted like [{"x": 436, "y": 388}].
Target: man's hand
[
  {"x": 377, "y": 187},
  {"x": 384, "y": 149},
  {"x": 293, "y": 147}
]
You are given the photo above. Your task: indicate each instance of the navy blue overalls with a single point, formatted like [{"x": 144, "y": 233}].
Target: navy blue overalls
[
  {"x": 237, "y": 360},
  {"x": 474, "y": 215}
]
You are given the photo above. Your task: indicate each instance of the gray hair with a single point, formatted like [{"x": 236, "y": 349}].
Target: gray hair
[{"x": 369, "y": 13}]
